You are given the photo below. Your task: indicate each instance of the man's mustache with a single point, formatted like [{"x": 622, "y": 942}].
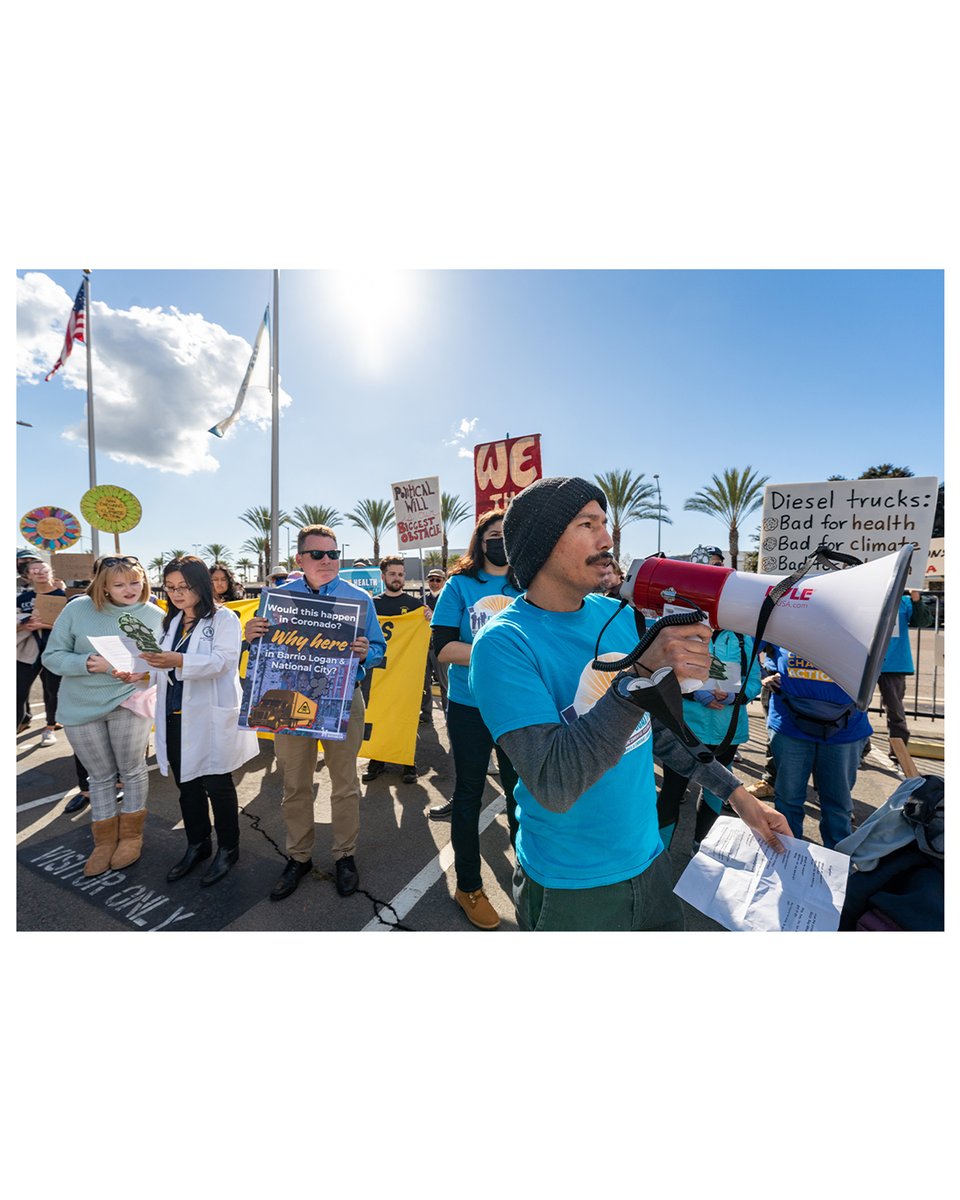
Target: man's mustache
[{"x": 606, "y": 558}]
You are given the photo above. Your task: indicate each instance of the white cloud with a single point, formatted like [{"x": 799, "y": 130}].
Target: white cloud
[
  {"x": 161, "y": 378},
  {"x": 459, "y": 432}
]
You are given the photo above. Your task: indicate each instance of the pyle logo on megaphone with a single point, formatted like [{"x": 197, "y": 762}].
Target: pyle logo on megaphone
[{"x": 842, "y": 624}]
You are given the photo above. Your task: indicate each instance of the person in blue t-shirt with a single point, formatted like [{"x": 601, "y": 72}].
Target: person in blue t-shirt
[
  {"x": 815, "y": 729},
  {"x": 480, "y": 585},
  {"x": 897, "y": 665},
  {"x": 589, "y": 853},
  {"x": 319, "y": 558}
]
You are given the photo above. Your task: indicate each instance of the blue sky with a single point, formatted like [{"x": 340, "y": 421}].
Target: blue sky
[{"x": 390, "y": 375}]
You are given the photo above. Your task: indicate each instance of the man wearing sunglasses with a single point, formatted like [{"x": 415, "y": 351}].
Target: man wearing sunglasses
[{"x": 319, "y": 559}]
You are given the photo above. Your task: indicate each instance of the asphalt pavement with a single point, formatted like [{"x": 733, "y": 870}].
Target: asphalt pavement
[{"x": 405, "y": 859}]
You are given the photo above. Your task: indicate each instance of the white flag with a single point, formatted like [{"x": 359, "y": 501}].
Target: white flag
[{"x": 224, "y": 425}]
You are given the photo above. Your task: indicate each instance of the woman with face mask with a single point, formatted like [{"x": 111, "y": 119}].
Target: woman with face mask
[
  {"x": 107, "y": 719},
  {"x": 480, "y": 585}
]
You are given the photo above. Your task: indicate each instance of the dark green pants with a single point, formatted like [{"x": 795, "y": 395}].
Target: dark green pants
[{"x": 645, "y": 902}]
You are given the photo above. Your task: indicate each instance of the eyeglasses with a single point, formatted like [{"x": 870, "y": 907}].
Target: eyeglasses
[
  {"x": 316, "y": 555},
  {"x": 175, "y": 591},
  {"x": 128, "y": 561}
]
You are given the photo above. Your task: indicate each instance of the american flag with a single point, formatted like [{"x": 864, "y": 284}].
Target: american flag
[{"x": 75, "y": 324}]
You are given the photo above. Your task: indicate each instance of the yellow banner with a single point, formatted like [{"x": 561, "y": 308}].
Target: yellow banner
[
  {"x": 396, "y": 688},
  {"x": 245, "y": 609}
]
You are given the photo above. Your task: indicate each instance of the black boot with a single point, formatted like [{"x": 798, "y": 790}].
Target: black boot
[
  {"x": 225, "y": 859},
  {"x": 196, "y": 852}
]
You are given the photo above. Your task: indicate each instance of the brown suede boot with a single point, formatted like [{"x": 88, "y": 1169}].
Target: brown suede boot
[
  {"x": 131, "y": 840},
  {"x": 104, "y": 844}
]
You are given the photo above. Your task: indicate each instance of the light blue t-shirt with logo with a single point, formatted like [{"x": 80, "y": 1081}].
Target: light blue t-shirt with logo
[
  {"x": 532, "y": 667},
  {"x": 467, "y": 604}
]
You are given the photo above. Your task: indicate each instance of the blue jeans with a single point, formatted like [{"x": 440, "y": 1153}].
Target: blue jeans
[
  {"x": 834, "y": 771},
  {"x": 645, "y": 902},
  {"x": 471, "y": 743}
]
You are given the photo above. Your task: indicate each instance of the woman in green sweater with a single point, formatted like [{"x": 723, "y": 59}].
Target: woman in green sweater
[{"x": 104, "y": 718}]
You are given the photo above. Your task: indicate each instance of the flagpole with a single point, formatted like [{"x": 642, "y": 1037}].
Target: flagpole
[
  {"x": 275, "y": 426},
  {"x": 91, "y": 440}
]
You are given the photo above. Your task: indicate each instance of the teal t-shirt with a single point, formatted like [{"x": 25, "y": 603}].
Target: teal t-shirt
[
  {"x": 531, "y": 667},
  {"x": 467, "y": 604}
]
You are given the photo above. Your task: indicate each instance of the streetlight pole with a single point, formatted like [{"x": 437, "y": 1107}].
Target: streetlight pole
[{"x": 659, "y": 511}]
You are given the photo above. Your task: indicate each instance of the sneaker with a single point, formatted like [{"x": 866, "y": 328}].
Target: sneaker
[
  {"x": 761, "y": 790},
  {"x": 436, "y": 811},
  {"x": 374, "y": 768},
  {"x": 479, "y": 910},
  {"x": 49, "y": 738}
]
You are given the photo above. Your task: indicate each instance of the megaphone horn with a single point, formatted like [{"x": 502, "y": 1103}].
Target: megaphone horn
[{"x": 840, "y": 621}]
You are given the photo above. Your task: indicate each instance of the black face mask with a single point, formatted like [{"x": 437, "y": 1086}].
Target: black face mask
[{"x": 495, "y": 552}]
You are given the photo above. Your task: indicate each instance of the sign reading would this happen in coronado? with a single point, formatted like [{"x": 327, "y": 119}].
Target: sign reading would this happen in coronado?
[{"x": 868, "y": 518}]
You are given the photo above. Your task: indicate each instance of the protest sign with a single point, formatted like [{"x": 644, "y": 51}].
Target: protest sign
[
  {"x": 368, "y": 578},
  {"x": 868, "y": 518},
  {"x": 70, "y": 567},
  {"x": 503, "y": 469},
  {"x": 935, "y": 559},
  {"x": 396, "y": 687},
  {"x": 300, "y": 675},
  {"x": 416, "y": 503},
  {"x": 47, "y": 608}
]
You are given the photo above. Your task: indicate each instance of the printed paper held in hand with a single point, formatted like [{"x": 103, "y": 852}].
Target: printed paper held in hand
[
  {"x": 742, "y": 884},
  {"x": 120, "y": 652}
]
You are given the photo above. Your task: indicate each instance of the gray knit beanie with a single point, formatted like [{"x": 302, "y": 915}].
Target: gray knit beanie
[{"x": 538, "y": 516}]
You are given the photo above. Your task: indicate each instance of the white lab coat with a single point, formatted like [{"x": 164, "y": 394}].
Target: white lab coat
[{"x": 211, "y": 742}]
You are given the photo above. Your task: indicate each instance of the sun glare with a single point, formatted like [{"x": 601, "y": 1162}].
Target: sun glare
[{"x": 378, "y": 310}]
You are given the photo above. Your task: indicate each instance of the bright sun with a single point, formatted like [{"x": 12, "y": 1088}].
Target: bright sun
[{"x": 377, "y": 310}]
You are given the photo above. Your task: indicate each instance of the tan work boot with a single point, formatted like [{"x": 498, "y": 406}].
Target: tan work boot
[
  {"x": 131, "y": 840},
  {"x": 478, "y": 908},
  {"x": 761, "y": 790},
  {"x": 104, "y": 844}
]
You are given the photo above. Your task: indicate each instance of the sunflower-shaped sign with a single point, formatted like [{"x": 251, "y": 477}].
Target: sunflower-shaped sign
[
  {"x": 111, "y": 509},
  {"x": 50, "y": 528}
]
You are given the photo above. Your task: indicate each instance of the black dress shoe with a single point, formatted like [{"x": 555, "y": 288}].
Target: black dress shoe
[
  {"x": 196, "y": 852},
  {"x": 440, "y": 810},
  {"x": 409, "y": 775},
  {"x": 347, "y": 876},
  {"x": 288, "y": 882},
  {"x": 78, "y": 803},
  {"x": 374, "y": 769},
  {"x": 224, "y": 860}
]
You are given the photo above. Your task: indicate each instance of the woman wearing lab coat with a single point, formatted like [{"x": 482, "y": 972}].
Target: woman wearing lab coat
[{"x": 198, "y": 701}]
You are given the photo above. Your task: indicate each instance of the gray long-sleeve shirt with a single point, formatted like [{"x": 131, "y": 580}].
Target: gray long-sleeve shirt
[{"x": 558, "y": 763}]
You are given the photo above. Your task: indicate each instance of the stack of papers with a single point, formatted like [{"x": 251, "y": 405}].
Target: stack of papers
[{"x": 742, "y": 884}]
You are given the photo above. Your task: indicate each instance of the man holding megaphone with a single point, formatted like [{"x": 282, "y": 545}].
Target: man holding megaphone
[{"x": 589, "y": 853}]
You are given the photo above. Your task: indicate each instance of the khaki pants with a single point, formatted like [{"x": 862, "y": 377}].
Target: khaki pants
[{"x": 297, "y": 760}]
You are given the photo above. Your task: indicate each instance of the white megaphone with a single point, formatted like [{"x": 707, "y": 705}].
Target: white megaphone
[{"x": 841, "y": 621}]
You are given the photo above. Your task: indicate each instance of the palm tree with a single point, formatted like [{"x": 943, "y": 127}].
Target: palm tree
[
  {"x": 730, "y": 498},
  {"x": 177, "y": 554},
  {"x": 244, "y": 565},
  {"x": 316, "y": 514},
  {"x": 258, "y": 518},
  {"x": 452, "y": 512},
  {"x": 218, "y": 552},
  {"x": 373, "y": 517},
  {"x": 628, "y": 500},
  {"x": 260, "y": 546},
  {"x": 157, "y": 564}
]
